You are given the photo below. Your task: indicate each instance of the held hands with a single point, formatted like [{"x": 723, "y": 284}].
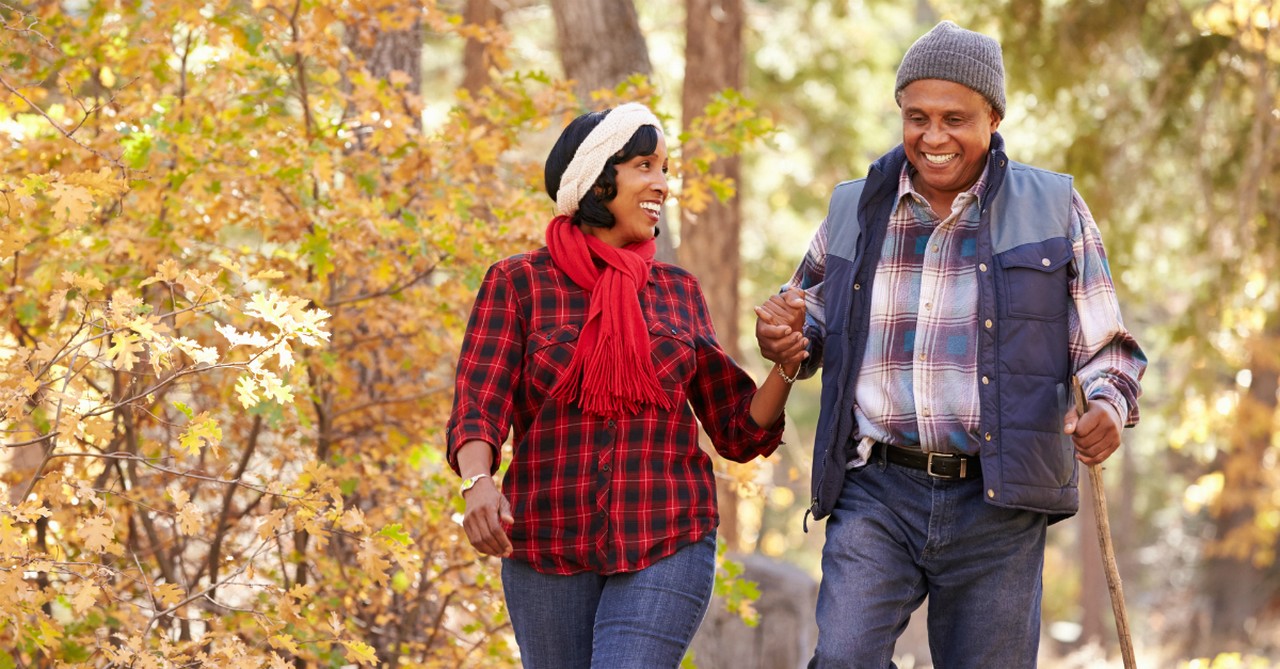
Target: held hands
[
  {"x": 780, "y": 329},
  {"x": 1096, "y": 434},
  {"x": 488, "y": 512}
]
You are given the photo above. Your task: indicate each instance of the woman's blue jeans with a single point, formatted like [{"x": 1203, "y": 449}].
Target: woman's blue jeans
[
  {"x": 641, "y": 620},
  {"x": 897, "y": 535}
]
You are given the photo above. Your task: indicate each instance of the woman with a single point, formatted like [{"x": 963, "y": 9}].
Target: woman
[{"x": 598, "y": 359}]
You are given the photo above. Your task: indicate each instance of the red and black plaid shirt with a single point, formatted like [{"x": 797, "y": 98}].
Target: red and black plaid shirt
[{"x": 605, "y": 495}]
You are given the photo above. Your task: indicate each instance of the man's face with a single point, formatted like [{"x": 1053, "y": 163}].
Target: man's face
[{"x": 946, "y": 131}]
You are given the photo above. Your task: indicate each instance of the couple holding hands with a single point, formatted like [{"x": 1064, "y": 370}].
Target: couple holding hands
[{"x": 948, "y": 297}]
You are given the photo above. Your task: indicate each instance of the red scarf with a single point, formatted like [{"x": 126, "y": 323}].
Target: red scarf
[{"x": 612, "y": 369}]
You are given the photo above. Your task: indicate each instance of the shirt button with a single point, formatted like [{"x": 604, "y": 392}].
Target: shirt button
[
  {"x": 857, "y": 286},
  {"x": 606, "y": 468},
  {"x": 1045, "y": 262},
  {"x": 928, "y": 305},
  {"x": 674, "y": 331},
  {"x": 927, "y": 413},
  {"x": 987, "y": 323},
  {"x": 982, "y": 267},
  {"x": 935, "y": 248},
  {"x": 991, "y": 493},
  {"x": 985, "y": 381},
  {"x": 612, "y": 425},
  {"x": 988, "y": 436},
  {"x": 922, "y": 356}
]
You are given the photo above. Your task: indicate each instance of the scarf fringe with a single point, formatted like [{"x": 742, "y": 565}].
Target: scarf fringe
[{"x": 612, "y": 371}]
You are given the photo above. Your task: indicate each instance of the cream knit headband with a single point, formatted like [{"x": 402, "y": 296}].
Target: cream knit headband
[{"x": 603, "y": 141}]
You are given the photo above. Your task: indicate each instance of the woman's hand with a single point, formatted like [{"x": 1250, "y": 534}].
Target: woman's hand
[
  {"x": 488, "y": 512},
  {"x": 780, "y": 328}
]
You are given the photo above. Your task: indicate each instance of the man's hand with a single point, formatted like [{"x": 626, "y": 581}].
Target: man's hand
[
  {"x": 1096, "y": 434},
  {"x": 780, "y": 328},
  {"x": 488, "y": 511}
]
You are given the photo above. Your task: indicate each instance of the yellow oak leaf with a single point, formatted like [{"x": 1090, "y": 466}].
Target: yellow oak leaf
[
  {"x": 84, "y": 283},
  {"x": 178, "y": 495},
  {"x": 284, "y": 642},
  {"x": 49, "y": 635},
  {"x": 124, "y": 350},
  {"x": 247, "y": 391},
  {"x": 71, "y": 203},
  {"x": 203, "y": 430},
  {"x": 167, "y": 271},
  {"x": 352, "y": 520},
  {"x": 149, "y": 327},
  {"x": 97, "y": 533},
  {"x": 270, "y": 524},
  {"x": 190, "y": 519},
  {"x": 11, "y": 540},
  {"x": 168, "y": 593},
  {"x": 14, "y": 239},
  {"x": 102, "y": 183},
  {"x": 372, "y": 560},
  {"x": 85, "y": 598},
  {"x": 360, "y": 652},
  {"x": 335, "y": 623}
]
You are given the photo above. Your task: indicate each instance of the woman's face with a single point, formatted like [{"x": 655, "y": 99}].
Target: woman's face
[{"x": 642, "y": 188}]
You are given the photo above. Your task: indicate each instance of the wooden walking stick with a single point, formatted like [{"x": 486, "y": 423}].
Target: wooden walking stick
[{"x": 1104, "y": 542}]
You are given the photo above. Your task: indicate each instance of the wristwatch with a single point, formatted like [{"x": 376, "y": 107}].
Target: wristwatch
[{"x": 470, "y": 482}]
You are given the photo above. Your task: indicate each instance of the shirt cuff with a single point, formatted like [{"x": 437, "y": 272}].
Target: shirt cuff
[
  {"x": 462, "y": 434},
  {"x": 1115, "y": 400}
]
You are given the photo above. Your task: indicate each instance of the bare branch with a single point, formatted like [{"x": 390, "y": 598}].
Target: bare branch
[{"x": 58, "y": 127}]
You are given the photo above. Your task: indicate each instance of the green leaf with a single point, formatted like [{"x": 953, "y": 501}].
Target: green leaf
[
  {"x": 396, "y": 533},
  {"x": 137, "y": 150}
]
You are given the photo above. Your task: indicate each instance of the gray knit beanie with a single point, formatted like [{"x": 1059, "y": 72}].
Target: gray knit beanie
[{"x": 952, "y": 53}]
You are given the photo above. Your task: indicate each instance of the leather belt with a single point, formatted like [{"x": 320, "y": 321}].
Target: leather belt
[{"x": 949, "y": 466}]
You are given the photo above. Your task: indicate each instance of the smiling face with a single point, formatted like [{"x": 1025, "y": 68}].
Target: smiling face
[
  {"x": 946, "y": 131},
  {"x": 642, "y": 188}
]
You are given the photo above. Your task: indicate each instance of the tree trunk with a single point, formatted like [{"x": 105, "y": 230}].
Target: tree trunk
[
  {"x": 476, "y": 61},
  {"x": 600, "y": 43},
  {"x": 1233, "y": 585},
  {"x": 709, "y": 241},
  {"x": 386, "y": 51}
]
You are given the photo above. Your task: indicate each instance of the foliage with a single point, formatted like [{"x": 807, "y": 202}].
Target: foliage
[{"x": 235, "y": 264}]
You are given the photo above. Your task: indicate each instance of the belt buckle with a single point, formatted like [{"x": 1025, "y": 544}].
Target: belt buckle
[{"x": 928, "y": 467}]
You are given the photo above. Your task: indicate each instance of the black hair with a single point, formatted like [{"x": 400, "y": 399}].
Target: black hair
[{"x": 591, "y": 209}]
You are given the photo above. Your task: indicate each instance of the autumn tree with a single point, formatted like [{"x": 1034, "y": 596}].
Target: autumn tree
[{"x": 234, "y": 267}]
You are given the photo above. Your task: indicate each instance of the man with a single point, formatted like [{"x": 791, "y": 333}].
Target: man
[{"x": 951, "y": 296}]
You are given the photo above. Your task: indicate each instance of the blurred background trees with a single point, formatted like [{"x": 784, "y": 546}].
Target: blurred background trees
[{"x": 239, "y": 240}]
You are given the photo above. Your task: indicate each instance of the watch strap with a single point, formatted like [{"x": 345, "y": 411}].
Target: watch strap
[{"x": 470, "y": 482}]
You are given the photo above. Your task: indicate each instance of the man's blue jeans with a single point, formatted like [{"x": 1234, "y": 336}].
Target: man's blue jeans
[
  {"x": 897, "y": 535},
  {"x": 642, "y": 619}
]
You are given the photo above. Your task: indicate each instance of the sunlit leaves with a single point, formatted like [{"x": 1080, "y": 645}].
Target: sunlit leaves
[
  {"x": 98, "y": 535},
  {"x": 202, "y": 431},
  {"x": 236, "y": 291}
]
